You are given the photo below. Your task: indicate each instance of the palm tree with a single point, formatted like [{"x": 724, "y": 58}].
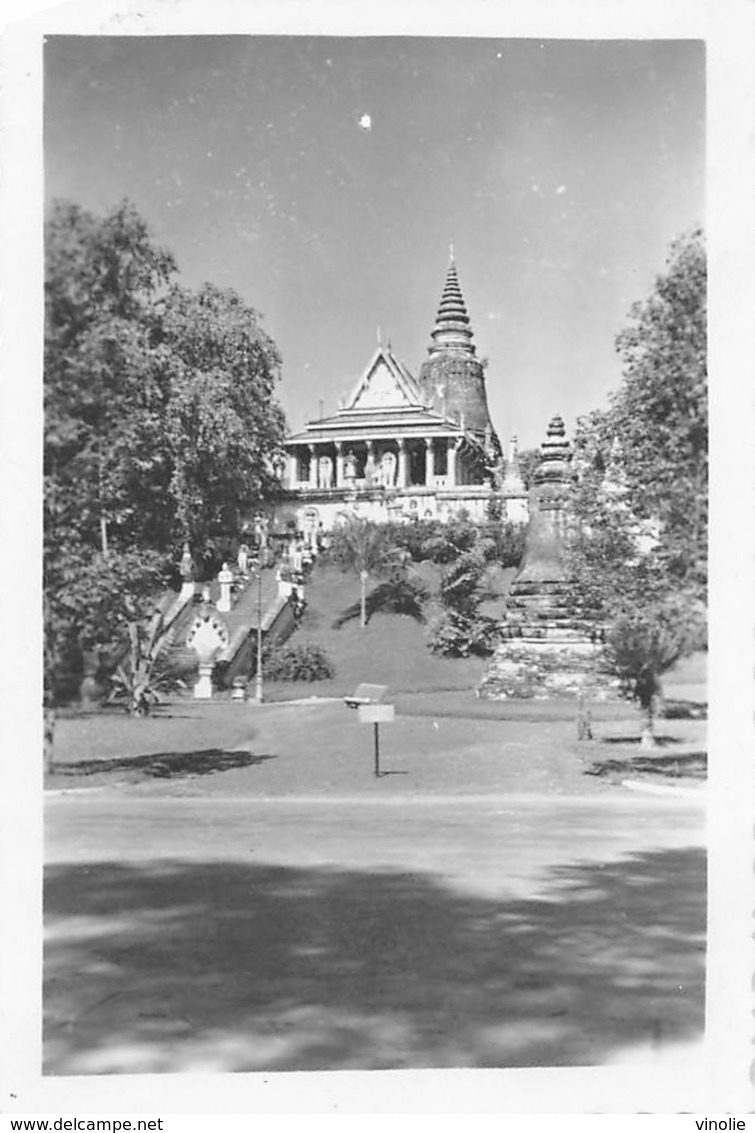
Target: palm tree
[{"x": 362, "y": 547}]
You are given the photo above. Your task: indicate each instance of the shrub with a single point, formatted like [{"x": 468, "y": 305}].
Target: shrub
[
  {"x": 461, "y": 586},
  {"x": 504, "y": 543},
  {"x": 453, "y": 634},
  {"x": 307, "y": 662}
]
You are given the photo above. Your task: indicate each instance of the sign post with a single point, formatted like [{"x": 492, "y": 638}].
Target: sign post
[{"x": 376, "y": 714}]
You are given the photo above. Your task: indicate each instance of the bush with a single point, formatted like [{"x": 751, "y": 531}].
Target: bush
[
  {"x": 508, "y": 541},
  {"x": 461, "y": 585},
  {"x": 307, "y": 662},
  {"x": 453, "y": 634}
]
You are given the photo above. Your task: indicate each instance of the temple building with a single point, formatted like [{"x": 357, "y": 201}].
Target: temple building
[{"x": 402, "y": 447}]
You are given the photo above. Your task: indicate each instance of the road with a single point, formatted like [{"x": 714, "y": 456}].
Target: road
[{"x": 234, "y": 933}]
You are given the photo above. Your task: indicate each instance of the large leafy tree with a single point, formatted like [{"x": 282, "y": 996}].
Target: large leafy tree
[
  {"x": 643, "y": 463},
  {"x": 160, "y": 421},
  {"x": 224, "y": 430},
  {"x": 658, "y": 419},
  {"x": 638, "y": 552},
  {"x": 103, "y": 395}
]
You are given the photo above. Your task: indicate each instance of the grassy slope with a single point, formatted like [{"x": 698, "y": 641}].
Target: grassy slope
[{"x": 390, "y": 650}]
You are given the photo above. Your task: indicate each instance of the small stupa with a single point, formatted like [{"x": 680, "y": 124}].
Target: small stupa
[{"x": 550, "y": 650}]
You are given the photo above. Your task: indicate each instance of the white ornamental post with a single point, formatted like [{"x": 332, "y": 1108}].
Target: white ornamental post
[{"x": 225, "y": 578}]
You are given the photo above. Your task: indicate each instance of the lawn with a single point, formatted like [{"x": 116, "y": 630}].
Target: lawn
[
  {"x": 391, "y": 650},
  {"x": 444, "y": 740},
  {"x": 319, "y": 748}
]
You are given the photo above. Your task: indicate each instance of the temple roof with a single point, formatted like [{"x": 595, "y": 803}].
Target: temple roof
[
  {"x": 386, "y": 401},
  {"x": 385, "y": 381},
  {"x": 452, "y": 327},
  {"x": 386, "y": 421}
]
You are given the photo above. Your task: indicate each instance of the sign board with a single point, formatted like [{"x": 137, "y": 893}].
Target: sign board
[
  {"x": 376, "y": 713},
  {"x": 366, "y": 694}
]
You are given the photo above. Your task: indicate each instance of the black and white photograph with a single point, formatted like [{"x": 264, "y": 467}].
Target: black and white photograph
[{"x": 375, "y": 644}]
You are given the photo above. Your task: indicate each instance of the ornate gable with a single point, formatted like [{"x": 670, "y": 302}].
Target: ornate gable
[{"x": 384, "y": 383}]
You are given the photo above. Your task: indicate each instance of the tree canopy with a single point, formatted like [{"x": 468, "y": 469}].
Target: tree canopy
[
  {"x": 161, "y": 423},
  {"x": 644, "y": 461},
  {"x": 638, "y": 548}
]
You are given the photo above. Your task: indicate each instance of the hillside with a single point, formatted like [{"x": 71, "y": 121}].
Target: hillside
[{"x": 391, "y": 649}]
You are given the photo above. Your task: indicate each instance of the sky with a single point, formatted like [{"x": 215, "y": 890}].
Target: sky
[{"x": 323, "y": 178}]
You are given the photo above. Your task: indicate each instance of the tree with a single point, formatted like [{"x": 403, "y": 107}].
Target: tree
[
  {"x": 643, "y": 463},
  {"x": 224, "y": 431},
  {"x": 638, "y": 541},
  {"x": 643, "y": 644},
  {"x": 92, "y": 603},
  {"x": 160, "y": 421},
  {"x": 362, "y": 547},
  {"x": 102, "y": 397},
  {"x": 660, "y": 413},
  {"x": 529, "y": 459},
  {"x": 461, "y": 629},
  {"x": 144, "y": 674}
]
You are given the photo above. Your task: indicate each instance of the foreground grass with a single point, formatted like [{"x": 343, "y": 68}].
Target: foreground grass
[
  {"x": 445, "y": 739},
  {"x": 320, "y": 748}
]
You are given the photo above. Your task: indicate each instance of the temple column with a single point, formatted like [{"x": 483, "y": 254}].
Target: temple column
[
  {"x": 451, "y": 464},
  {"x": 339, "y": 464},
  {"x": 402, "y": 478},
  {"x": 312, "y": 466},
  {"x": 292, "y": 469},
  {"x": 429, "y": 462}
]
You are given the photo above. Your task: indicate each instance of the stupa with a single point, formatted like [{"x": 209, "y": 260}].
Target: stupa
[
  {"x": 452, "y": 377},
  {"x": 550, "y": 650}
]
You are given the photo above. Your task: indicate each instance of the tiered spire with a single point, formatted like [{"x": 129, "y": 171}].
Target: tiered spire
[
  {"x": 452, "y": 330},
  {"x": 555, "y": 455}
]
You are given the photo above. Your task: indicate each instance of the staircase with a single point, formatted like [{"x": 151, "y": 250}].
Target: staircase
[{"x": 239, "y": 659}]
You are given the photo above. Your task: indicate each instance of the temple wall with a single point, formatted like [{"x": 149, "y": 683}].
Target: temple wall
[{"x": 330, "y": 508}]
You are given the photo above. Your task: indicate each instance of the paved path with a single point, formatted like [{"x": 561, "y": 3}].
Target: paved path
[{"x": 253, "y": 933}]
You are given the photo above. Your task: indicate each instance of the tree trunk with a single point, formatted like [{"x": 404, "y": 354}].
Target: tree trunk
[
  {"x": 363, "y": 599},
  {"x": 584, "y": 720},
  {"x": 49, "y": 740},
  {"x": 648, "y": 742}
]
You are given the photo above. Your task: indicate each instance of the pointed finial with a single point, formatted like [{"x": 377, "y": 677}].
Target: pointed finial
[{"x": 451, "y": 252}]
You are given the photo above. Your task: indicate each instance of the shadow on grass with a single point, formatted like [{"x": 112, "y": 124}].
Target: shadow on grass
[
  {"x": 401, "y": 596},
  {"x": 163, "y": 765},
  {"x": 166, "y": 966},
  {"x": 660, "y": 741},
  {"x": 685, "y": 710},
  {"x": 687, "y": 765}
]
